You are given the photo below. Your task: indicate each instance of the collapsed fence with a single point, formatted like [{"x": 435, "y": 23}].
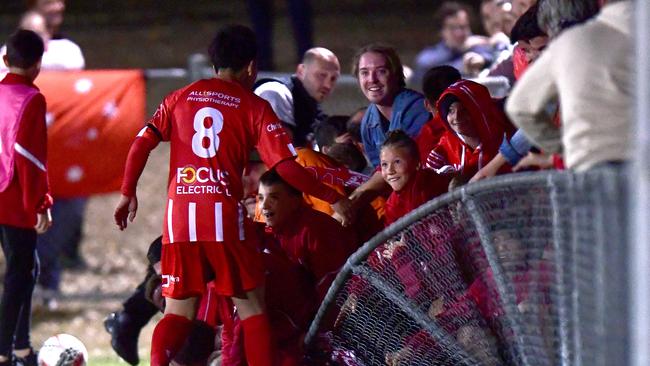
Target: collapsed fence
[{"x": 526, "y": 269}]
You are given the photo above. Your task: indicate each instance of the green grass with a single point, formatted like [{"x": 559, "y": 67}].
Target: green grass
[{"x": 112, "y": 361}]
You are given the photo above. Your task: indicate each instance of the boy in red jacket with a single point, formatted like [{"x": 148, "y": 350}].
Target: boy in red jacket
[
  {"x": 24, "y": 198},
  {"x": 475, "y": 129}
]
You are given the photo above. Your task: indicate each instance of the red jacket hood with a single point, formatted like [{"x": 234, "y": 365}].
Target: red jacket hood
[{"x": 488, "y": 120}]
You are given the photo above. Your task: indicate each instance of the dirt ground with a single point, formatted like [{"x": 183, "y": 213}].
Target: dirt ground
[
  {"x": 116, "y": 263},
  {"x": 116, "y": 260}
]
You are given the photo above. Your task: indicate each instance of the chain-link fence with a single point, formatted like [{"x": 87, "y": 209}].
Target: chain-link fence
[{"x": 526, "y": 269}]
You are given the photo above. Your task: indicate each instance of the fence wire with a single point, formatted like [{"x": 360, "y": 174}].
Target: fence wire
[{"x": 527, "y": 269}]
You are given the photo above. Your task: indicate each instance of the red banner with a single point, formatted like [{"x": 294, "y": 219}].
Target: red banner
[{"x": 92, "y": 117}]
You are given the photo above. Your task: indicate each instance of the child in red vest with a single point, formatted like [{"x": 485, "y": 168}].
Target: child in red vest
[{"x": 24, "y": 198}]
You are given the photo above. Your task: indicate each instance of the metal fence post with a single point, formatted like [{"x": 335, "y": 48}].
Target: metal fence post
[{"x": 639, "y": 246}]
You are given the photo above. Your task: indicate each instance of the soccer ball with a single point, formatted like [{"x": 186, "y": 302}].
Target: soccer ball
[{"x": 63, "y": 350}]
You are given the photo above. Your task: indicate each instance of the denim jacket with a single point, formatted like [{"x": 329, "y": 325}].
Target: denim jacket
[{"x": 409, "y": 115}]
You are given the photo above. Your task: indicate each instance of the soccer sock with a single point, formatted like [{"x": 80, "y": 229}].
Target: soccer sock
[
  {"x": 257, "y": 340},
  {"x": 168, "y": 337}
]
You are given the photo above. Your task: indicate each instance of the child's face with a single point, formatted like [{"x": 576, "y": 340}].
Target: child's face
[
  {"x": 397, "y": 166},
  {"x": 459, "y": 120}
]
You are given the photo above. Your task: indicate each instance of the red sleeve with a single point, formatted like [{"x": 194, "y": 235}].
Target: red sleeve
[
  {"x": 390, "y": 214},
  {"x": 299, "y": 178},
  {"x": 329, "y": 248},
  {"x": 146, "y": 141},
  {"x": 161, "y": 119},
  {"x": 31, "y": 164},
  {"x": 273, "y": 142},
  {"x": 429, "y": 137}
]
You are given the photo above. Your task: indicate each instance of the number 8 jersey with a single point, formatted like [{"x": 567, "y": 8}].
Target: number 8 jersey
[{"x": 212, "y": 126}]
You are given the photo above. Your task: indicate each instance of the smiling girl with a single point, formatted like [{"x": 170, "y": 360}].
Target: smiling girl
[{"x": 400, "y": 168}]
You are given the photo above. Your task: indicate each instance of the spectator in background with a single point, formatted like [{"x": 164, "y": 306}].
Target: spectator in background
[
  {"x": 493, "y": 20},
  {"x": 504, "y": 65},
  {"x": 475, "y": 128},
  {"x": 24, "y": 197},
  {"x": 435, "y": 82},
  {"x": 392, "y": 107},
  {"x": 348, "y": 154},
  {"x": 332, "y": 130},
  {"x": 595, "y": 98},
  {"x": 296, "y": 100},
  {"x": 60, "y": 52},
  {"x": 530, "y": 41},
  {"x": 517, "y": 9},
  {"x": 457, "y": 47},
  {"x": 261, "y": 12}
]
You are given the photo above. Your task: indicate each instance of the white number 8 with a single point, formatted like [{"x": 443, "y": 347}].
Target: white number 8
[{"x": 211, "y": 133}]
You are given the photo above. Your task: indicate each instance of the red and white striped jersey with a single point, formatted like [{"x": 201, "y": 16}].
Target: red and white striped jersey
[{"x": 212, "y": 126}]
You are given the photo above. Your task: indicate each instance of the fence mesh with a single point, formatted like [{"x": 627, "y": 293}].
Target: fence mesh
[{"x": 522, "y": 270}]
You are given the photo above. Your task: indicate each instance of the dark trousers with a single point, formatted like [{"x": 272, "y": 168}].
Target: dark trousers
[
  {"x": 19, "y": 248},
  {"x": 261, "y": 13},
  {"x": 139, "y": 309},
  {"x": 62, "y": 239}
]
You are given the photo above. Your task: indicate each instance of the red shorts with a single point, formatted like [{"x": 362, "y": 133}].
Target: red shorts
[{"x": 237, "y": 267}]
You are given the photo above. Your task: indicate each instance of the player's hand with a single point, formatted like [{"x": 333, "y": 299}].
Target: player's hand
[
  {"x": 43, "y": 221},
  {"x": 343, "y": 211},
  {"x": 534, "y": 160},
  {"x": 473, "y": 63},
  {"x": 126, "y": 208}
]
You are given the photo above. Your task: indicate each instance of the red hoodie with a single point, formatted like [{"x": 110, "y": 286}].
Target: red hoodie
[{"x": 453, "y": 155}]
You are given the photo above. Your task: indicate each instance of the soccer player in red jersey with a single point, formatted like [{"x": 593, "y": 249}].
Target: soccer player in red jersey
[{"x": 212, "y": 125}]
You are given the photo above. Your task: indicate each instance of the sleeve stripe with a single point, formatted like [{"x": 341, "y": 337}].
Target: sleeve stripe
[
  {"x": 155, "y": 130},
  {"x": 292, "y": 149},
  {"x": 22, "y": 151}
]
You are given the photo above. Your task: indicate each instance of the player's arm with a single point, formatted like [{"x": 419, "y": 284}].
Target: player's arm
[
  {"x": 31, "y": 163},
  {"x": 369, "y": 190},
  {"x": 532, "y": 104},
  {"x": 299, "y": 178},
  {"x": 145, "y": 142}
]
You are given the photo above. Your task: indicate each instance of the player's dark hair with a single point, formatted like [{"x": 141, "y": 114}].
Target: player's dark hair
[
  {"x": 271, "y": 177},
  {"x": 389, "y": 53},
  {"x": 399, "y": 139},
  {"x": 233, "y": 47},
  {"x": 327, "y": 131},
  {"x": 527, "y": 27},
  {"x": 349, "y": 155},
  {"x": 436, "y": 80},
  {"x": 155, "y": 251},
  {"x": 24, "y": 49}
]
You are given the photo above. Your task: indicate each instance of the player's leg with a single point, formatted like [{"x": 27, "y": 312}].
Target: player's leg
[
  {"x": 19, "y": 246},
  {"x": 172, "y": 330},
  {"x": 258, "y": 344},
  {"x": 182, "y": 274},
  {"x": 240, "y": 275}
]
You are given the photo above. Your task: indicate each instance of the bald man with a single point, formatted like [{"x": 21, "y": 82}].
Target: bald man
[{"x": 296, "y": 100}]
